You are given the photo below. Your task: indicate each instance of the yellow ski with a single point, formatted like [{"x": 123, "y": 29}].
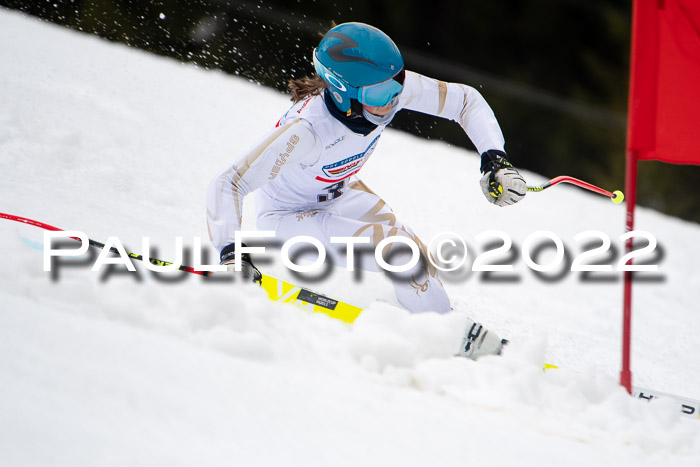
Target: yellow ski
[{"x": 281, "y": 291}]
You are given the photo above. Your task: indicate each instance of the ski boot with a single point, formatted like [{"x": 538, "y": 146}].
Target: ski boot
[{"x": 478, "y": 341}]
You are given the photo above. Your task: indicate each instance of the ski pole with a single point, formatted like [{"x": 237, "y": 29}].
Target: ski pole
[
  {"x": 97, "y": 244},
  {"x": 616, "y": 196}
]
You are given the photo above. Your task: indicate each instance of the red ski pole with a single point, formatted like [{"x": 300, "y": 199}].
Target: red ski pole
[
  {"x": 97, "y": 244},
  {"x": 616, "y": 196}
]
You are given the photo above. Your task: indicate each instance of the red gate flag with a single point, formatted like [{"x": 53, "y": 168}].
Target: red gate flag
[
  {"x": 664, "y": 105},
  {"x": 663, "y": 118}
]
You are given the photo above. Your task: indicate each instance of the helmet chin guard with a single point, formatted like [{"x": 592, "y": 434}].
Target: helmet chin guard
[{"x": 382, "y": 119}]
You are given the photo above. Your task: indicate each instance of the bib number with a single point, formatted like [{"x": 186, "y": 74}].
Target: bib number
[{"x": 332, "y": 192}]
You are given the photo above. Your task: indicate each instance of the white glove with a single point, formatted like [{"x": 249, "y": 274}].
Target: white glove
[{"x": 501, "y": 184}]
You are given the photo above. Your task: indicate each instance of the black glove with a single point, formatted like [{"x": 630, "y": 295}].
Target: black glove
[
  {"x": 248, "y": 269},
  {"x": 501, "y": 184}
]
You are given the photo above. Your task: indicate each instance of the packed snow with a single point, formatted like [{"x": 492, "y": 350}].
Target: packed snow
[{"x": 120, "y": 368}]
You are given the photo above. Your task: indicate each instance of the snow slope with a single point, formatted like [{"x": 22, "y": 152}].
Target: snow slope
[{"x": 141, "y": 369}]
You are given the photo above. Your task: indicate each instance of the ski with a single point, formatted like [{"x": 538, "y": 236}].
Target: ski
[
  {"x": 687, "y": 406},
  {"x": 281, "y": 291}
]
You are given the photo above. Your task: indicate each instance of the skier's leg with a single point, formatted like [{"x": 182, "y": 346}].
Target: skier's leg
[
  {"x": 419, "y": 289},
  {"x": 362, "y": 214},
  {"x": 477, "y": 340}
]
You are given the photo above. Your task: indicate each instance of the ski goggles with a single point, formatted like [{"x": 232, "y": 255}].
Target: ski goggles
[{"x": 380, "y": 94}]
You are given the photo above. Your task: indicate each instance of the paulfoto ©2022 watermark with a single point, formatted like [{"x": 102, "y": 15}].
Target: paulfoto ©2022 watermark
[{"x": 449, "y": 252}]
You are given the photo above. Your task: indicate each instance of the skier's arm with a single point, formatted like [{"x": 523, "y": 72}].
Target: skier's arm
[
  {"x": 292, "y": 143},
  {"x": 457, "y": 102},
  {"x": 501, "y": 184}
]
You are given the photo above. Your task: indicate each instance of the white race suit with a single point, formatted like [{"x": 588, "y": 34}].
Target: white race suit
[{"x": 305, "y": 174}]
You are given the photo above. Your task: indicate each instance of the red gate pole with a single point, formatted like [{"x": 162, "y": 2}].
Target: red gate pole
[{"x": 631, "y": 191}]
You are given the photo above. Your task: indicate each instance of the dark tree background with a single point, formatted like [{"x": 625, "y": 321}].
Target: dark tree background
[{"x": 554, "y": 71}]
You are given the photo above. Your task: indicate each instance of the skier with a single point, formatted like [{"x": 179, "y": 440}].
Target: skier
[{"x": 304, "y": 171}]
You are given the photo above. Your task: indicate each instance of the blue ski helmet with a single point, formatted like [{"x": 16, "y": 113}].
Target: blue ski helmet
[{"x": 359, "y": 61}]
